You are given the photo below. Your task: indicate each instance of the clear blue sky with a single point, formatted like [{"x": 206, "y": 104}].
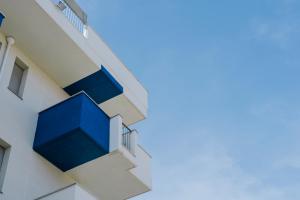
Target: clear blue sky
[{"x": 224, "y": 93}]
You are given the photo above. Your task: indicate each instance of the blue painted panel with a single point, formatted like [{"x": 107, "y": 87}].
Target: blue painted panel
[
  {"x": 58, "y": 119},
  {"x": 91, "y": 124},
  {"x": 100, "y": 86},
  {"x": 1, "y": 18},
  {"x": 72, "y": 133}
]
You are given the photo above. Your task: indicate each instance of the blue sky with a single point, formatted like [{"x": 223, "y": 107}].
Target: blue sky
[{"x": 224, "y": 93}]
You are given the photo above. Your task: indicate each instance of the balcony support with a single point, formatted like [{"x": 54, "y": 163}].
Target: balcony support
[
  {"x": 115, "y": 133},
  {"x": 133, "y": 141},
  {"x": 120, "y": 140}
]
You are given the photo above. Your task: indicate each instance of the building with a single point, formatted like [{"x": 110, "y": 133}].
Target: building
[{"x": 66, "y": 102}]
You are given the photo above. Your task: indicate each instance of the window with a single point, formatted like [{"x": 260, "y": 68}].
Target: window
[
  {"x": 17, "y": 80},
  {"x": 2, "y": 150},
  {"x": 1, "y": 55},
  {"x": 4, "y": 154}
]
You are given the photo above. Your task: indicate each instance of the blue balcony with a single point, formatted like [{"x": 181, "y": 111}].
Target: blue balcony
[
  {"x": 100, "y": 86},
  {"x": 72, "y": 132},
  {"x": 1, "y": 18}
]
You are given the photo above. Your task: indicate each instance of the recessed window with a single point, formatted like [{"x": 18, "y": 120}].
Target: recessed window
[
  {"x": 2, "y": 150},
  {"x": 4, "y": 154},
  {"x": 0, "y": 53},
  {"x": 17, "y": 80}
]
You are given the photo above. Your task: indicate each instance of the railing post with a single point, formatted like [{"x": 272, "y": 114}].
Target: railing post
[
  {"x": 133, "y": 141},
  {"x": 85, "y": 31},
  {"x": 115, "y": 140},
  {"x": 122, "y": 136}
]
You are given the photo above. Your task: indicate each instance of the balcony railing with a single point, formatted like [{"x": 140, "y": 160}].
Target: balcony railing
[
  {"x": 74, "y": 14},
  {"x": 127, "y": 139}
]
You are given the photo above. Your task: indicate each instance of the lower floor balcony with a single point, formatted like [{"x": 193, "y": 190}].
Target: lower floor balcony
[{"x": 100, "y": 153}]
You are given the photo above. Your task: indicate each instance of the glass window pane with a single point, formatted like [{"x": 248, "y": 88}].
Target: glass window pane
[{"x": 16, "y": 79}]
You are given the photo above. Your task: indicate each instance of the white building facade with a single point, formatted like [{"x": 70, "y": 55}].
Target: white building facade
[{"x": 66, "y": 102}]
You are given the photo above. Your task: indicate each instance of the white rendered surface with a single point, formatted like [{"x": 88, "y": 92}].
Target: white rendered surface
[
  {"x": 73, "y": 192},
  {"x": 27, "y": 172},
  {"x": 108, "y": 178},
  {"x": 67, "y": 56}
]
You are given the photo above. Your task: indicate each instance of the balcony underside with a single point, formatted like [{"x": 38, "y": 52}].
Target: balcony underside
[
  {"x": 46, "y": 36},
  {"x": 109, "y": 177}
]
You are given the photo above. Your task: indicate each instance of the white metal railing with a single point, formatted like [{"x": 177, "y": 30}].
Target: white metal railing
[
  {"x": 79, "y": 22},
  {"x": 127, "y": 139}
]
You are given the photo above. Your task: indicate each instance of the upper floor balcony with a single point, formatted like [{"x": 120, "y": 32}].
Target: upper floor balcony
[
  {"x": 100, "y": 153},
  {"x": 56, "y": 36}
]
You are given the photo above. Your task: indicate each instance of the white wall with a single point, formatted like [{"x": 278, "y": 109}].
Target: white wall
[
  {"x": 74, "y": 192},
  {"x": 28, "y": 175},
  {"x": 65, "y": 194},
  {"x": 143, "y": 169},
  {"x": 81, "y": 194}
]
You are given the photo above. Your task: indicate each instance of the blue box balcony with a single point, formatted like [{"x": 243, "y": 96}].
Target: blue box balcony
[
  {"x": 1, "y": 18},
  {"x": 72, "y": 132},
  {"x": 100, "y": 86}
]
